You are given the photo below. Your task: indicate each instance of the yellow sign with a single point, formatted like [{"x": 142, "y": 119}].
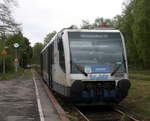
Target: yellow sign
[
  {"x": 16, "y": 60},
  {"x": 4, "y": 52}
]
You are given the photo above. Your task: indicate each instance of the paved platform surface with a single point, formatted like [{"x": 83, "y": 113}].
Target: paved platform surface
[
  {"x": 18, "y": 100},
  {"x": 49, "y": 112}
]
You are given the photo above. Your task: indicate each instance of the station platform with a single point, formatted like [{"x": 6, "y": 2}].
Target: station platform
[
  {"x": 47, "y": 111},
  {"x": 25, "y": 99},
  {"x": 18, "y": 100}
]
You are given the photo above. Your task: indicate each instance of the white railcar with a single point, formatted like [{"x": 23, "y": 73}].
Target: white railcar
[{"x": 88, "y": 66}]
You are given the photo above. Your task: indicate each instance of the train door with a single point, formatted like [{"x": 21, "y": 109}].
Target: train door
[
  {"x": 61, "y": 55},
  {"x": 55, "y": 62},
  {"x": 51, "y": 62},
  {"x": 45, "y": 66},
  {"x": 41, "y": 61},
  {"x": 59, "y": 69}
]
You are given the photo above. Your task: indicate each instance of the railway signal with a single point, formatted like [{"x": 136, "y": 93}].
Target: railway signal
[{"x": 16, "y": 45}]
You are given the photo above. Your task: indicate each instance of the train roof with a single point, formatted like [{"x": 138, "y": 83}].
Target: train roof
[
  {"x": 91, "y": 30},
  {"x": 81, "y": 30}
]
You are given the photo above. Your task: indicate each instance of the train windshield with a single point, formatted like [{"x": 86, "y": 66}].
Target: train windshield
[{"x": 96, "y": 52}]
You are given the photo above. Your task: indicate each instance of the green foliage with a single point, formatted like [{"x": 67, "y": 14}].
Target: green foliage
[
  {"x": 9, "y": 63},
  {"x": 49, "y": 37},
  {"x": 125, "y": 118},
  {"x": 138, "y": 99},
  {"x": 136, "y": 28},
  {"x": 71, "y": 117},
  {"x": 97, "y": 23},
  {"x": 24, "y": 51},
  {"x": 21, "y": 73},
  {"x": 12, "y": 74},
  {"x": 26, "y": 73},
  {"x": 141, "y": 30},
  {"x": 86, "y": 25},
  {"x": 36, "y": 53}
]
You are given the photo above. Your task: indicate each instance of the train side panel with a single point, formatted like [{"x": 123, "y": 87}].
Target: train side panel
[
  {"x": 53, "y": 67},
  {"x": 58, "y": 68}
]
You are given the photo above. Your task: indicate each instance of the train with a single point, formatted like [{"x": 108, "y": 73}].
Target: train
[{"x": 88, "y": 67}]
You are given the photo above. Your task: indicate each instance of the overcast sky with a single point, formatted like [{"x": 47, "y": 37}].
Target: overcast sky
[{"x": 40, "y": 17}]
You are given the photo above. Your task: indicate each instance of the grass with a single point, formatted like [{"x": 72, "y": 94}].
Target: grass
[
  {"x": 140, "y": 75},
  {"x": 21, "y": 73},
  {"x": 125, "y": 118},
  {"x": 139, "y": 72},
  {"x": 71, "y": 117},
  {"x": 138, "y": 100},
  {"x": 27, "y": 73}
]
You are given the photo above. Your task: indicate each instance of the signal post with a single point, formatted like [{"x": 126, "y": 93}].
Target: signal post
[{"x": 16, "y": 60}]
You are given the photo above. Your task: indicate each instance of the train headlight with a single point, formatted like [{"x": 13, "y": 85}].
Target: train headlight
[{"x": 124, "y": 84}]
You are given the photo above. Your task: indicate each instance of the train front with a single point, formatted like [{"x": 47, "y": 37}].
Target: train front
[{"x": 98, "y": 64}]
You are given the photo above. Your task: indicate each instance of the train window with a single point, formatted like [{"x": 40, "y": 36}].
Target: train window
[
  {"x": 61, "y": 55},
  {"x": 45, "y": 61},
  {"x": 52, "y": 52}
]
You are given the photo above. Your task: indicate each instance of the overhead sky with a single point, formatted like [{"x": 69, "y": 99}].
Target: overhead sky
[{"x": 40, "y": 17}]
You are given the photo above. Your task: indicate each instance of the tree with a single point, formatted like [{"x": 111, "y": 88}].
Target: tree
[
  {"x": 36, "y": 53},
  {"x": 126, "y": 22},
  {"x": 99, "y": 22},
  {"x": 86, "y": 25},
  {"x": 141, "y": 30},
  {"x": 7, "y": 23},
  {"x": 49, "y": 37},
  {"x": 117, "y": 21},
  {"x": 135, "y": 25},
  {"x": 73, "y": 27},
  {"x": 24, "y": 50},
  {"x": 26, "y": 53}
]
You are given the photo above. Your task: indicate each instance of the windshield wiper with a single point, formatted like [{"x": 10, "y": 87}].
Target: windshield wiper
[
  {"x": 79, "y": 69},
  {"x": 123, "y": 61}
]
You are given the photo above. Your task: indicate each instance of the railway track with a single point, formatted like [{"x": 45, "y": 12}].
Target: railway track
[
  {"x": 94, "y": 113},
  {"x": 100, "y": 113},
  {"x": 131, "y": 118},
  {"x": 104, "y": 113}
]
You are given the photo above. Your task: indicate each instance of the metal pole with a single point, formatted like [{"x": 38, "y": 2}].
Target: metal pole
[
  {"x": 16, "y": 45},
  {"x": 3, "y": 64},
  {"x": 3, "y": 37},
  {"x": 16, "y": 61}
]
